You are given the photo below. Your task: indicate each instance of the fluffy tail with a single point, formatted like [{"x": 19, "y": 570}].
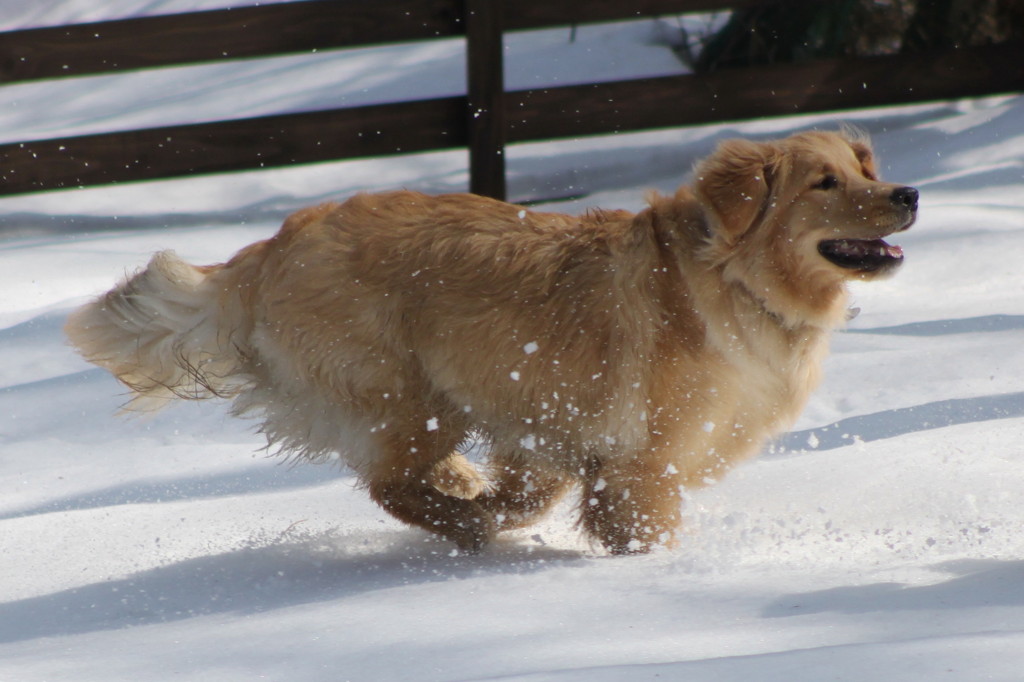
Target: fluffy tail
[{"x": 165, "y": 333}]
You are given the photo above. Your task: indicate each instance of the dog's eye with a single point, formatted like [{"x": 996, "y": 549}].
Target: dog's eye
[{"x": 827, "y": 182}]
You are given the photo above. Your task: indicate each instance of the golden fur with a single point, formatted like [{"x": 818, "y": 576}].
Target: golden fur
[{"x": 634, "y": 355}]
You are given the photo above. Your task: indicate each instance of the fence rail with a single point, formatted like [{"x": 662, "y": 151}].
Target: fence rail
[
  {"x": 287, "y": 28},
  {"x": 484, "y": 120}
]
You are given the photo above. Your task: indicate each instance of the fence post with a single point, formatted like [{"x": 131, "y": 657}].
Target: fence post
[{"x": 485, "y": 81}]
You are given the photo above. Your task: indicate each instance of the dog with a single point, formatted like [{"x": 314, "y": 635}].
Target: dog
[{"x": 632, "y": 355}]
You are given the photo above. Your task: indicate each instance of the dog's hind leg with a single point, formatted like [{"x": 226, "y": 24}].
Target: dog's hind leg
[
  {"x": 402, "y": 481},
  {"x": 521, "y": 492}
]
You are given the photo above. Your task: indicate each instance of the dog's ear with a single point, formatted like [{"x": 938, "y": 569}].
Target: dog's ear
[
  {"x": 866, "y": 158},
  {"x": 735, "y": 183}
]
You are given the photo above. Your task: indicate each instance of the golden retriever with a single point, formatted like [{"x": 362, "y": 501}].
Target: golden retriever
[{"x": 632, "y": 355}]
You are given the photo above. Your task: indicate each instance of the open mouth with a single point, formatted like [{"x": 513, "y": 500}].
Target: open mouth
[{"x": 866, "y": 255}]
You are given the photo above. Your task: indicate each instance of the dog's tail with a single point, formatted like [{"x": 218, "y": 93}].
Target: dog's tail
[{"x": 166, "y": 332}]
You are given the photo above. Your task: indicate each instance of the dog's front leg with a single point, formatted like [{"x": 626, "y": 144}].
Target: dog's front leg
[{"x": 633, "y": 505}]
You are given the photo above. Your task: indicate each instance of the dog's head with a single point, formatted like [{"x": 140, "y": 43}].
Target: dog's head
[{"x": 795, "y": 219}]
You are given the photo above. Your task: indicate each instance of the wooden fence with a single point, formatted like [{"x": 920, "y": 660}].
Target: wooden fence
[{"x": 484, "y": 121}]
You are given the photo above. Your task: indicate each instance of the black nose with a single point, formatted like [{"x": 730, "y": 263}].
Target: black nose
[{"x": 905, "y": 196}]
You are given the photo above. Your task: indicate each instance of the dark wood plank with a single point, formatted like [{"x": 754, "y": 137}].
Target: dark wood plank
[
  {"x": 755, "y": 92},
  {"x": 246, "y": 144},
  {"x": 284, "y": 28},
  {"x": 214, "y": 35},
  {"x": 529, "y": 14},
  {"x": 485, "y": 79}
]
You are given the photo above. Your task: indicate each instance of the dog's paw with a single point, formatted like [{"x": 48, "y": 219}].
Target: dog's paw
[
  {"x": 456, "y": 476},
  {"x": 471, "y": 534}
]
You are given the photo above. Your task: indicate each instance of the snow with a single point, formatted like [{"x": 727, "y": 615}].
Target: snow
[{"x": 882, "y": 539}]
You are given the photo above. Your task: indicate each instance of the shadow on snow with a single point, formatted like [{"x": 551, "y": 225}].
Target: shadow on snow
[
  {"x": 977, "y": 583},
  {"x": 897, "y": 422},
  {"x": 984, "y": 323},
  {"x": 271, "y": 574}
]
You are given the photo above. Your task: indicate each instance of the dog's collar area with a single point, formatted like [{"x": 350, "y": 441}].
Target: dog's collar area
[
  {"x": 866, "y": 255},
  {"x": 777, "y": 318}
]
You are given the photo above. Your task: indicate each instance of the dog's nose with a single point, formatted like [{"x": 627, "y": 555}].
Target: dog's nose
[{"x": 905, "y": 196}]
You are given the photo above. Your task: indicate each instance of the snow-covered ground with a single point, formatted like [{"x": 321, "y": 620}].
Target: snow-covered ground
[{"x": 883, "y": 539}]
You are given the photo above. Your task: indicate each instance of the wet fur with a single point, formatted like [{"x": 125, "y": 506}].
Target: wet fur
[{"x": 634, "y": 355}]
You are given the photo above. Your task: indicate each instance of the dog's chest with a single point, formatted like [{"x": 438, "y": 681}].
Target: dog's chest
[{"x": 774, "y": 378}]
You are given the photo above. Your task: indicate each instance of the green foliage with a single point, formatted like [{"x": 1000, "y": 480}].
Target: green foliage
[{"x": 812, "y": 29}]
